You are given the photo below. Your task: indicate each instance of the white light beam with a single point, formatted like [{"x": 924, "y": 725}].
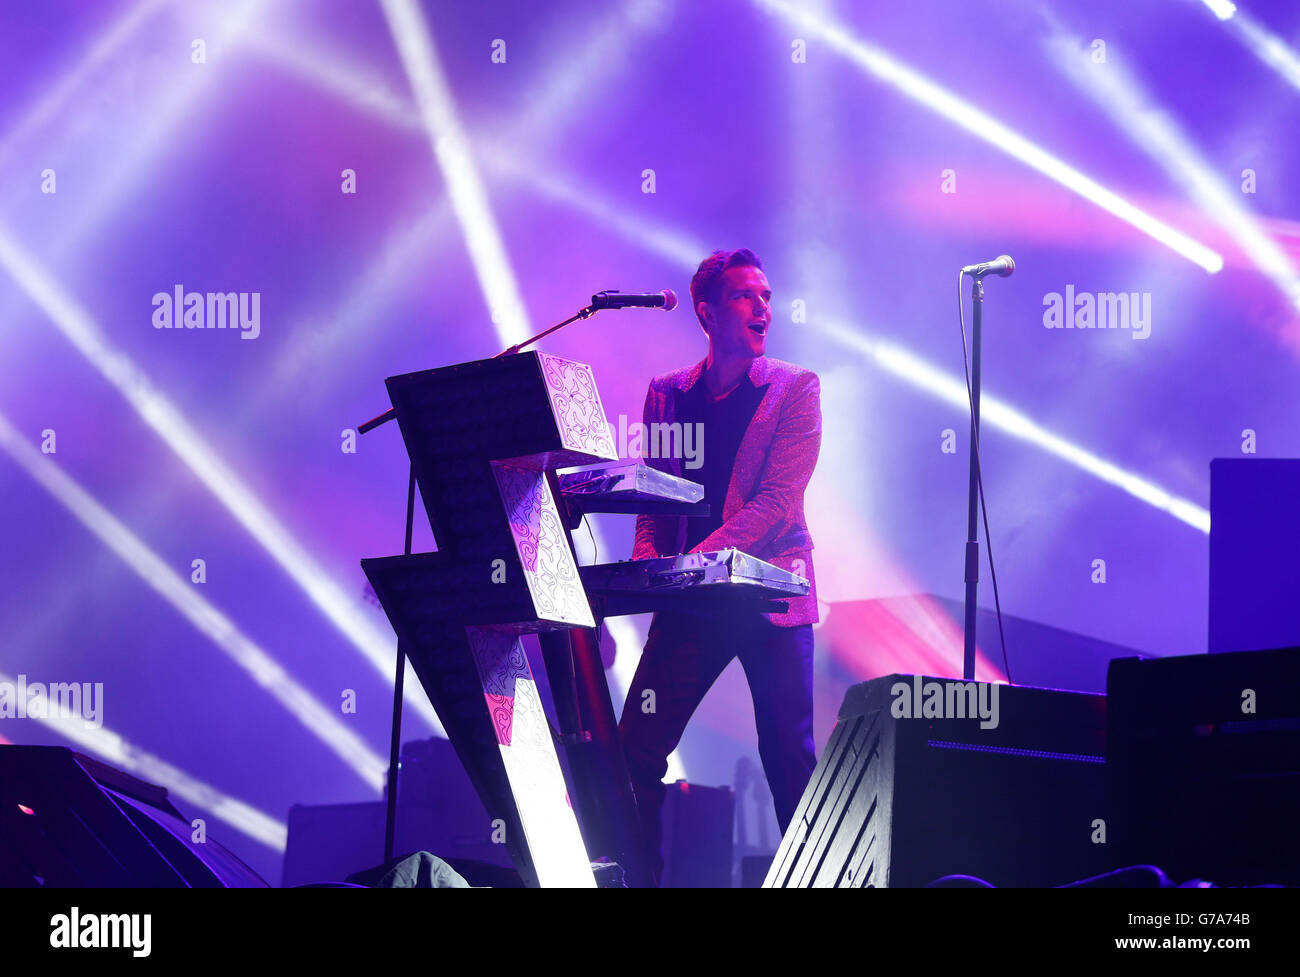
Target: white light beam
[
  {"x": 168, "y": 422},
  {"x": 451, "y": 148},
  {"x": 320, "y": 720},
  {"x": 1159, "y": 136},
  {"x": 117, "y": 751},
  {"x": 983, "y": 126}
]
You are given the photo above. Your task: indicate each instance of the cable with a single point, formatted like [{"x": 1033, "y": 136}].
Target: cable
[
  {"x": 595, "y": 553},
  {"x": 979, "y": 476},
  {"x": 959, "y": 882}
]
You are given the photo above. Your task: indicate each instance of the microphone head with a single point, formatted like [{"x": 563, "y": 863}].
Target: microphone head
[
  {"x": 670, "y": 300},
  {"x": 1010, "y": 265}
]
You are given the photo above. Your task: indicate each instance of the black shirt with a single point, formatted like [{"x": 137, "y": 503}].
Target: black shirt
[{"x": 724, "y": 424}]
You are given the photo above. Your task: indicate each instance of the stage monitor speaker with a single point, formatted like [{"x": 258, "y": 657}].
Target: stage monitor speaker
[
  {"x": 437, "y": 811},
  {"x": 1205, "y": 765},
  {"x": 1254, "y": 539},
  {"x": 753, "y": 870},
  {"x": 914, "y": 785},
  {"x": 699, "y": 824},
  {"x": 67, "y": 821},
  {"x": 329, "y": 842}
]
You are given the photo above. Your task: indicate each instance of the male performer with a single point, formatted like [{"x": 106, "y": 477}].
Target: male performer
[{"x": 761, "y": 422}]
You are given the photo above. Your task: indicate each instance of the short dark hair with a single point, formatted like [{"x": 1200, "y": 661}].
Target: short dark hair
[{"x": 708, "y": 277}]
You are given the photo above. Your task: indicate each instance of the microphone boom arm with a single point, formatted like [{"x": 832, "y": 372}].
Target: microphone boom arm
[{"x": 585, "y": 313}]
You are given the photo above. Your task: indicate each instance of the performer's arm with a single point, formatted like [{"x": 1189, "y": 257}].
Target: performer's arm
[{"x": 789, "y": 466}]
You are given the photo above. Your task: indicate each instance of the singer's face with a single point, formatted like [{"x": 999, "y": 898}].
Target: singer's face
[{"x": 742, "y": 316}]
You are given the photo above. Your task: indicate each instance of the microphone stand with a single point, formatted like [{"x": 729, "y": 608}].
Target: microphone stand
[
  {"x": 399, "y": 680},
  {"x": 972, "y": 502}
]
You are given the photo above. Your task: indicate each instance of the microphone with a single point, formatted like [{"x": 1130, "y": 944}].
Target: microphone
[
  {"x": 1001, "y": 265},
  {"x": 614, "y": 299}
]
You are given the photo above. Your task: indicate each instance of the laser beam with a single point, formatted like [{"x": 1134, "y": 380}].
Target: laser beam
[
  {"x": 167, "y": 421},
  {"x": 916, "y": 86},
  {"x": 114, "y": 749},
  {"x": 321, "y": 721}
]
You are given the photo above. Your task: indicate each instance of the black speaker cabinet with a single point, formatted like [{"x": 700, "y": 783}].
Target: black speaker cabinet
[
  {"x": 437, "y": 811},
  {"x": 1205, "y": 765},
  {"x": 698, "y": 825},
  {"x": 67, "y": 821},
  {"x": 925, "y": 777}
]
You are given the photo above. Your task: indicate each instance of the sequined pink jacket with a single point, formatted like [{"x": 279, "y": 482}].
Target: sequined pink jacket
[{"x": 763, "y": 512}]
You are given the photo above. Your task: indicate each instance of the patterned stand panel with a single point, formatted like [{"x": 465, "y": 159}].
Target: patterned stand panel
[
  {"x": 528, "y": 754},
  {"x": 578, "y": 412},
  {"x": 542, "y": 544},
  {"x": 482, "y": 437}
]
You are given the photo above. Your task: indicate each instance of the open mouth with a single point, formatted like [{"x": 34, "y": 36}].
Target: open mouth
[{"x": 758, "y": 327}]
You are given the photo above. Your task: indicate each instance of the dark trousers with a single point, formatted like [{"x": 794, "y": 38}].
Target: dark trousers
[{"x": 684, "y": 655}]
